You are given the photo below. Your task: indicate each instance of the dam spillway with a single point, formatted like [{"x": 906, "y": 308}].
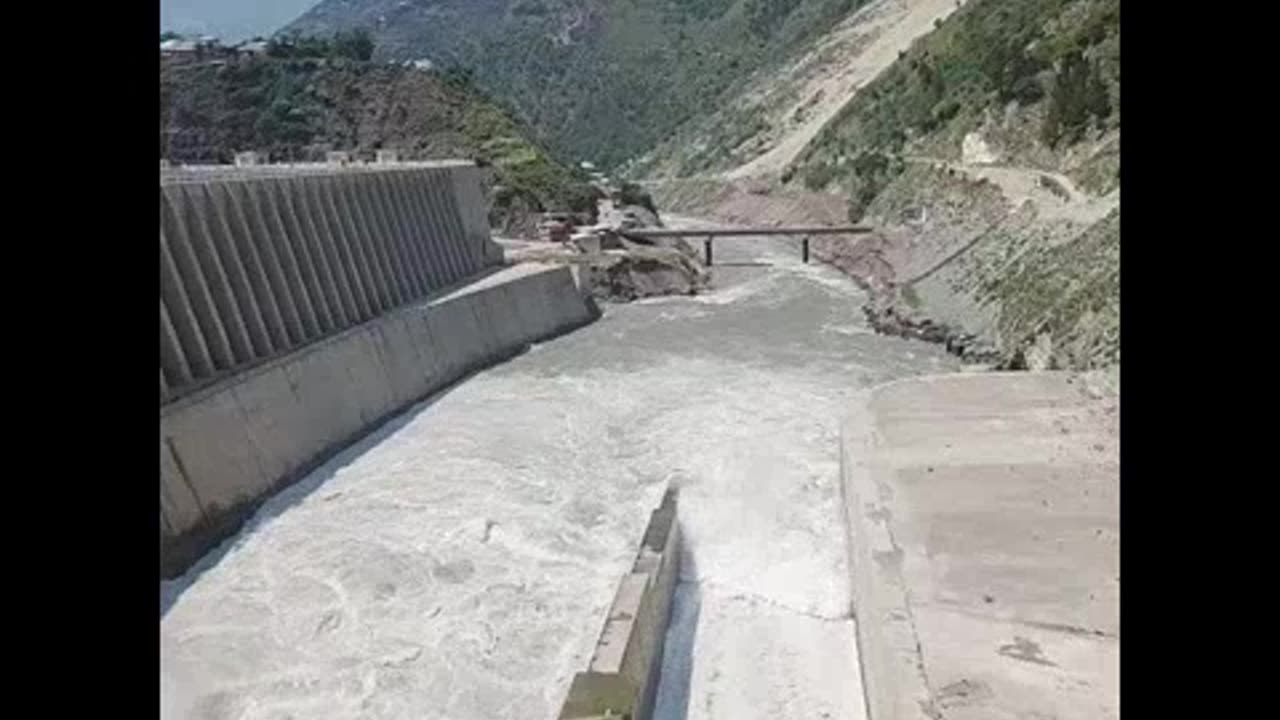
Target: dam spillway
[{"x": 302, "y": 306}]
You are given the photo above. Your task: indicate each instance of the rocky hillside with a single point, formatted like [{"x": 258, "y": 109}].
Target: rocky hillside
[
  {"x": 981, "y": 137},
  {"x": 307, "y": 99},
  {"x": 1038, "y": 80},
  {"x": 1011, "y": 109},
  {"x": 986, "y": 152},
  {"x": 601, "y": 81},
  {"x": 775, "y": 112}
]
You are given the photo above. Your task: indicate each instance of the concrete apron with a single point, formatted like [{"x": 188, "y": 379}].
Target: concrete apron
[{"x": 984, "y": 546}]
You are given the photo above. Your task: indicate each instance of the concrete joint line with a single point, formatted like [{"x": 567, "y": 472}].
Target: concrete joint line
[
  {"x": 182, "y": 473},
  {"x": 909, "y": 608},
  {"x": 1075, "y": 630},
  {"x": 745, "y": 595},
  {"x": 868, "y": 534}
]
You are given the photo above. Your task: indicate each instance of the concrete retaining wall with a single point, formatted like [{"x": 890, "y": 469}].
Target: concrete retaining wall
[
  {"x": 256, "y": 262},
  {"x": 622, "y": 678},
  {"x": 225, "y": 447}
]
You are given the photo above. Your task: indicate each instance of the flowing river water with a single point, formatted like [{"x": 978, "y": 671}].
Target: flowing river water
[{"x": 459, "y": 563}]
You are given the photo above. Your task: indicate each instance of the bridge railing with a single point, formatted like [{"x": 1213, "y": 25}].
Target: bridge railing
[{"x": 255, "y": 264}]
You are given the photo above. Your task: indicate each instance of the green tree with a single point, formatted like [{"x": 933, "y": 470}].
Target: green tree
[
  {"x": 356, "y": 44},
  {"x": 1068, "y": 113},
  {"x": 1016, "y": 78},
  {"x": 633, "y": 194},
  {"x": 1097, "y": 97}
]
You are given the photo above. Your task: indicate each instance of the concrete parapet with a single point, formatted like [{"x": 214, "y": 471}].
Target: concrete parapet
[
  {"x": 226, "y": 447},
  {"x": 622, "y": 678}
]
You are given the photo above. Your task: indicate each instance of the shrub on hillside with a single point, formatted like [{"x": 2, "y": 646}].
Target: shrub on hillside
[
  {"x": 633, "y": 194},
  {"x": 1097, "y": 98},
  {"x": 356, "y": 44},
  {"x": 584, "y": 198},
  {"x": 819, "y": 176},
  {"x": 351, "y": 45},
  {"x": 1078, "y": 95}
]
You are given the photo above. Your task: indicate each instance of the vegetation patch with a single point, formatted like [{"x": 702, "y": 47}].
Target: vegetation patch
[
  {"x": 1055, "y": 59},
  {"x": 604, "y": 82},
  {"x": 309, "y": 96},
  {"x": 1070, "y": 292}
]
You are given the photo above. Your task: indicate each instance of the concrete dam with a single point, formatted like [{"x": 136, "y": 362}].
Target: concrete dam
[{"x": 299, "y": 306}]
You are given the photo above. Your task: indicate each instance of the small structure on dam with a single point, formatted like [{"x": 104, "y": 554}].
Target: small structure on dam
[{"x": 301, "y": 305}]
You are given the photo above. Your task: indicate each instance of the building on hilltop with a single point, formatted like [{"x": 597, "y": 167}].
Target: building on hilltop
[
  {"x": 208, "y": 49},
  {"x": 251, "y": 48}
]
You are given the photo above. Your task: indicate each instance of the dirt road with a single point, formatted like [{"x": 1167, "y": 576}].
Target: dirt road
[{"x": 1054, "y": 195}]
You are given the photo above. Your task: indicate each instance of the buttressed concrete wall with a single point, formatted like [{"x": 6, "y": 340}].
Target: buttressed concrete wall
[
  {"x": 257, "y": 262},
  {"x": 305, "y": 315}
]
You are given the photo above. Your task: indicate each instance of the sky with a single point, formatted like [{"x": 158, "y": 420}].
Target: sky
[{"x": 229, "y": 20}]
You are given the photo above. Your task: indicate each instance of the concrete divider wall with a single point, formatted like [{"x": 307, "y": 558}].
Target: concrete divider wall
[
  {"x": 621, "y": 680},
  {"x": 223, "y": 448},
  {"x": 258, "y": 262}
]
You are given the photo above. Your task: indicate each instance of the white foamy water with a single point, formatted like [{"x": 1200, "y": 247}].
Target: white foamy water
[{"x": 459, "y": 563}]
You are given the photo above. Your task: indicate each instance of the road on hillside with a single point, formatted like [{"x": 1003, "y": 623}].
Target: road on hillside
[
  {"x": 460, "y": 562},
  {"x": 1053, "y": 194}
]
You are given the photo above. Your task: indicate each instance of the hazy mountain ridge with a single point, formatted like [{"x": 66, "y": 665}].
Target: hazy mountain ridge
[{"x": 596, "y": 80}]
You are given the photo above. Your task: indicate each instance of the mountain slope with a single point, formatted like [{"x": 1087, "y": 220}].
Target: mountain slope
[
  {"x": 1037, "y": 80},
  {"x": 987, "y": 154},
  {"x": 761, "y": 127},
  {"x": 597, "y": 80},
  {"x": 296, "y": 109}
]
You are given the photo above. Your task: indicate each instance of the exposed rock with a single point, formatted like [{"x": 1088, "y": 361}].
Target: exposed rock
[
  {"x": 632, "y": 274},
  {"x": 635, "y": 216},
  {"x": 885, "y": 318},
  {"x": 1040, "y": 355},
  {"x": 868, "y": 259},
  {"x": 974, "y": 150},
  {"x": 619, "y": 270}
]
